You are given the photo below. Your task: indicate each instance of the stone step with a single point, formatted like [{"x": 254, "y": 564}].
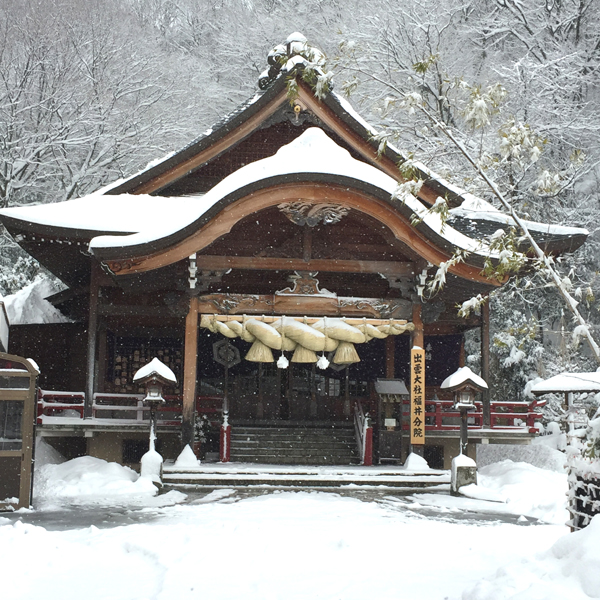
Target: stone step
[
  {"x": 253, "y": 446},
  {"x": 294, "y": 446},
  {"x": 292, "y": 452},
  {"x": 291, "y": 440},
  {"x": 296, "y": 460}
]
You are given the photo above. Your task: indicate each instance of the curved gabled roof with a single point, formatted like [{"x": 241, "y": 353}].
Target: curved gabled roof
[
  {"x": 311, "y": 158},
  {"x": 146, "y": 224}
]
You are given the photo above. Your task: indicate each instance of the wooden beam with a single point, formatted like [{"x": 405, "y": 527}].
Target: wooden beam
[
  {"x": 190, "y": 358},
  {"x": 253, "y": 263}
]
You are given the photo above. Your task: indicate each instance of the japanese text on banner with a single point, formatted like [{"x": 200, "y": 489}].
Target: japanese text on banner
[{"x": 417, "y": 396}]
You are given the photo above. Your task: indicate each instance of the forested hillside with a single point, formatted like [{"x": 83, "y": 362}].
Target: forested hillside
[{"x": 91, "y": 90}]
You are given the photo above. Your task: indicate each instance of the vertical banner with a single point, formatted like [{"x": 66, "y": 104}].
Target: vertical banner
[{"x": 417, "y": 395}]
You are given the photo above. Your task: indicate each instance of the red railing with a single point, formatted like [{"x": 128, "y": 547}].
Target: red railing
[
  {"x": 119, "y": 407},
  {"x": 56, "y": 404},
  {"x": 439, "y": 414}
]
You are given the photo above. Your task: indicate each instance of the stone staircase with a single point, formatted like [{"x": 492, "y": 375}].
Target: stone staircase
[{"x": 294, "y": 445}]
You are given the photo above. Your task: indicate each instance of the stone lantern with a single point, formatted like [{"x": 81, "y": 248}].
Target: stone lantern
[
  {"x": 465, "y": 385},
  {"x": 155, "y": 376}
]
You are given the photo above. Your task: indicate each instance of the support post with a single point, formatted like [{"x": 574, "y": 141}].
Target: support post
[
  {"x": 190, "y": 357},
  {"x": 368, "y": 433},
  {"x": 92, "y": 339},
  {"x": 225, "y": 440},
  {"x": 485, "y": 363},
  {"x": 464, "y": 431},
  {"x": 347, "y": 391},
  {"x": 390, "y": 356},
  {"x": 418, "y": 339}
]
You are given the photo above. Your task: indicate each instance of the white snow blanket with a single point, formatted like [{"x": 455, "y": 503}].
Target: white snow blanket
[{"x": 29, "y": 305}]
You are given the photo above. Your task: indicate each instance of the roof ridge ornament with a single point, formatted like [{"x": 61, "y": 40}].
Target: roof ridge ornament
[{"x": 296, "y": 51}]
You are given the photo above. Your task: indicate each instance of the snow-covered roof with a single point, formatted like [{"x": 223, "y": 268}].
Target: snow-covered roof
[
  {"x": 126, "y": 213},
  {"x": 155, "y": 367},
  {"x": 120, "y": 219},
  {"x": 463, "y": 376},
  {"x": 568, "y": 382},
  {"x": 314, "y": 152},
  {"x": 477, "y": 218},
  {"x": 29, "y": 305},
  {"x": 391, "y": 386}
]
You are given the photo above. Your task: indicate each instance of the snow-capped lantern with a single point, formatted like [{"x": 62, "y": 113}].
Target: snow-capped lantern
[
  {"x": 154, "y": 376},
  {"x": 465, "y": 385}
]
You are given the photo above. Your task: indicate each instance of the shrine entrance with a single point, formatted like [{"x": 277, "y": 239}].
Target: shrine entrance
[{"x": 263, "y": 393}]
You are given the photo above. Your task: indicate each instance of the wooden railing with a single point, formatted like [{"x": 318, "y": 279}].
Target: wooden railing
[
  {"x": 439, "y": 415},
  {"x": 119, "y": 408},
  {"x": 364, "y": 435}
]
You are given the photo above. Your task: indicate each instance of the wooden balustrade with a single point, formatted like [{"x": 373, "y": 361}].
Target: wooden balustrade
[{"x": 439, "y": 415}]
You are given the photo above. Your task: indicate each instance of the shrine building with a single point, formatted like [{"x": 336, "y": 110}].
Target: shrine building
[{"x": 273, "y": 267}]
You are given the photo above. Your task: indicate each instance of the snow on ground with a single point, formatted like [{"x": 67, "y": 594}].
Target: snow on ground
[
  {"x": 510, "y": 488},
  {"x": 268, "y": 544},
  {"x": 289, "y": 545},
  {"x": 87, "y": 480},
  {"x": 569, "y": 570}
]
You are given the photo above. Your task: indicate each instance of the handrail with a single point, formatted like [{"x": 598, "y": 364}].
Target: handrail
[
  {"x": 364, "y": 434},
  {"x": 440, "y": 415}
]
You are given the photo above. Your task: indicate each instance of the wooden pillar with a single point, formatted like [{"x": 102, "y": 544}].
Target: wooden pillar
[
  {"x": 92, "y": 339},
  {"x": 102, "y": 354},
  {"x": 390, "y": 356},
  {"x": 190, "y": 358},
  {"x": 418, "y": 337},
  {"x": 485, "y": 362}
]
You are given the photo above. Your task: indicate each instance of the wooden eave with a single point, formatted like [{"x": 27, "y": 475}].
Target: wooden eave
[{"x": 348, "y": 192}]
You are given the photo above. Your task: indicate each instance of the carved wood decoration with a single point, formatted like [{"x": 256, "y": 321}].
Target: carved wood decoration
[
  {"x": 306, "y": 284},
  {"x": 330, "y": 306},
  {"x": 306, "y": 213}
]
